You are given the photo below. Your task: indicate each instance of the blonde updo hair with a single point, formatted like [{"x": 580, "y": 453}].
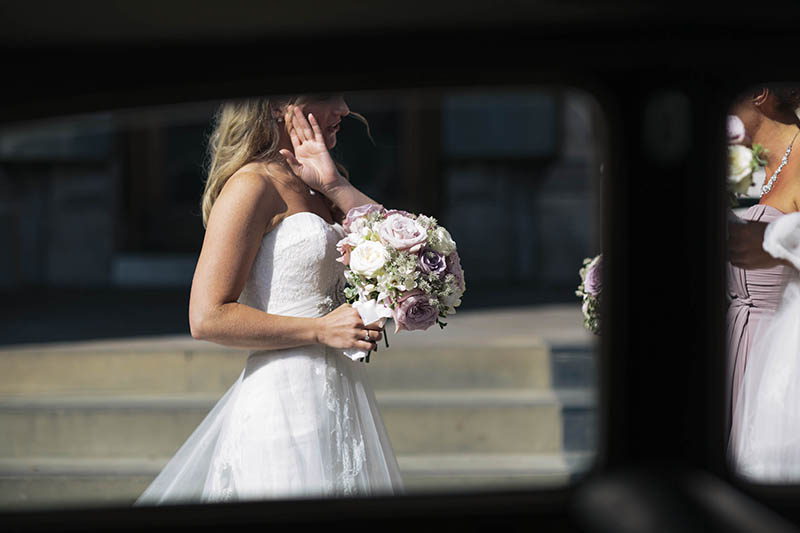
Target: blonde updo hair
[{"x": 246, "y": 131}]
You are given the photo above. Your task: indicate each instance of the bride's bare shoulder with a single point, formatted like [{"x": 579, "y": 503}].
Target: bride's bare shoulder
[
  {"x": 251, "y": 175},
  {"x": 262, "y": 176},
  {"x": 251, "y": 191}
]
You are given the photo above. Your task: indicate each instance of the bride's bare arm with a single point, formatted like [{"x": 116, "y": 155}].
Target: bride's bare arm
[
  {"x": 345, "y": 196},
  {"x": 233, "y": 236}
]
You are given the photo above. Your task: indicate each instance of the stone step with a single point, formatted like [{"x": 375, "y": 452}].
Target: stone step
[
  {"x": 180, "y": 365},
  {"x": 56, "y": 482},
  {"x": 418, "y": 422},
  {"x": 572, "y": 366}
]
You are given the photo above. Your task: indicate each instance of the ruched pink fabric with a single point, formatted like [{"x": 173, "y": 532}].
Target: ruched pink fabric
[{"x": 755, "y": 295}]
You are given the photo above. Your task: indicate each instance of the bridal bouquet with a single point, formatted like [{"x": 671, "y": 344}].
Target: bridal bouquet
[
  {"x": 400, "y": 266},
  {"x": 589, "y": 289},
  {"x": 742, "y": 161}
]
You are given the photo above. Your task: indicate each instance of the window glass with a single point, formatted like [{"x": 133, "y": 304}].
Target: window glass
[{"x": 101, "y": 382}]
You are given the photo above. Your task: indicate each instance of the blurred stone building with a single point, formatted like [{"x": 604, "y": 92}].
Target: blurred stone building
[{"x": 111, "y": 200}]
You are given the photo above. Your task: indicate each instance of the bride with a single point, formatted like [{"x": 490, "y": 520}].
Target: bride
[
  {"x": 301, "y": 420},
  {"x": 764, "y": 316}
]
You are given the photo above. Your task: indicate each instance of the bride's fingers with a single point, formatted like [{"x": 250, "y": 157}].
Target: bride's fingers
[
  {"x": 296, "y": 142},
  {"x": 291, "y": 125},
  {"x": 294, "y": 164},
  {"x": 371, "y": 334},
  {"x": 297, "y": 124},
  {"x": 287, "y": 118},
  {"x": 315, "y": 126},
  {"x": 302, "y": 124},
  {"x": 366, "y": 346}
]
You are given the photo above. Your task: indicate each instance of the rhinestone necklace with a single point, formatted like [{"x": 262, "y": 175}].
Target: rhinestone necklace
[{"x": 768, "y": 187}]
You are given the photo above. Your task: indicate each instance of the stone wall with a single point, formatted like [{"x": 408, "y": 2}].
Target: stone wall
[{"x": 517, "y": 171}]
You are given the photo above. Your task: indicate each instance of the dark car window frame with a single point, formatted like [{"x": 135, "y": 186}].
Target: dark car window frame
[{"x": 661, "y": 381}]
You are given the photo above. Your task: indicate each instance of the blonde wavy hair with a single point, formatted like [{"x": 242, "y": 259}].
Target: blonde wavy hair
[{"x": 246, "y": 131}]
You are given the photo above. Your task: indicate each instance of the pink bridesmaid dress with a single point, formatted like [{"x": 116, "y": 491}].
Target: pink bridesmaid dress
[{"x": 755, "y": 295}]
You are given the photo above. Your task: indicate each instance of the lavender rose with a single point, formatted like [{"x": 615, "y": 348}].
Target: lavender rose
[
  {"x": 414, "y": 311},
  {"x": 593, "y": 283},
  {"x": 431, "y": 261},
  {"x": 736, "y": 132},
  {"x": 402, "y": 233},
  {"x": 453, "y": 262},
  {"x": 359, "y": 212}
]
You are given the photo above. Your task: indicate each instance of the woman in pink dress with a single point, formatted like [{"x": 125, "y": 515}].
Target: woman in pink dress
[{"x": 762, "y": 270}]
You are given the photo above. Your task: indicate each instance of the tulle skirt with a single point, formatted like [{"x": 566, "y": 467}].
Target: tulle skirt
[
  {"x": 299, "y": 422},
  {"x": 765, "y": 433}
]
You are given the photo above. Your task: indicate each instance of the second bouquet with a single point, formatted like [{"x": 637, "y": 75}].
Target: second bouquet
[{"x": 400, "y": 266}]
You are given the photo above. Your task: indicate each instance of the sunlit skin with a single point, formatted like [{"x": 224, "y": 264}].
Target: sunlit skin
[
  {"x": 772, "y": 127},
  {"x": 310, "y": 132},
  {"x": 253, "y": 201},
  {"x": 328, "y": 112}
]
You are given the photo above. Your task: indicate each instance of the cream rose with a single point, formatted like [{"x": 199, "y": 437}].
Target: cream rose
[
  {"x": 359, "y": 226},
  {"x": 442, "y": 242},
  {"x": 740, "y": 168},
  {"x": 367, "y": 258}
]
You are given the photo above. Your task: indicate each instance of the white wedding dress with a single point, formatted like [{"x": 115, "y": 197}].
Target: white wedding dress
[
  {"x": 765, "y": 434},
  {"x": 298, "y": 422}
]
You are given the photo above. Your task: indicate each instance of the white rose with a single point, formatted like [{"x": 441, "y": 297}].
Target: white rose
[
  {"x": 408, "y": 284},
  {"x": 352, "y": 240},
  {"x": 452, "y": 301},
  {"x": 359, "y": 226},
  {"x": 424, "y": 221},
  {"x": 442, "y": 242},
  {"x": 368, "y": 257},
  {"x": 740, "y": 169}
]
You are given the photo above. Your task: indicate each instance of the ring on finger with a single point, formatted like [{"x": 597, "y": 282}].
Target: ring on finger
[{"x": 366, "y": 335}]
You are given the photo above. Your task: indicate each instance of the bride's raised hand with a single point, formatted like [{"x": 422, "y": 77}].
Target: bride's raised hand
[{"x": 311, "y": 160}]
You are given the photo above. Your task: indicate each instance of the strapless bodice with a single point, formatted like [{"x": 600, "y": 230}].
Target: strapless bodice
[
  {"x": 295, "y": 271},
  {"x": 759, "y": 289},
  {"x": 299, "y": 422}
]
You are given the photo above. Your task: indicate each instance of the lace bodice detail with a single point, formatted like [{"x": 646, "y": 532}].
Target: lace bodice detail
[{"x": 295, "y": 271}]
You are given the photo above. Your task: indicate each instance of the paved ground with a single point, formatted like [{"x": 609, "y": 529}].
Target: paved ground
[
  {"x": 101, "y": 414},
  {"x": 558, "y": 325}
]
